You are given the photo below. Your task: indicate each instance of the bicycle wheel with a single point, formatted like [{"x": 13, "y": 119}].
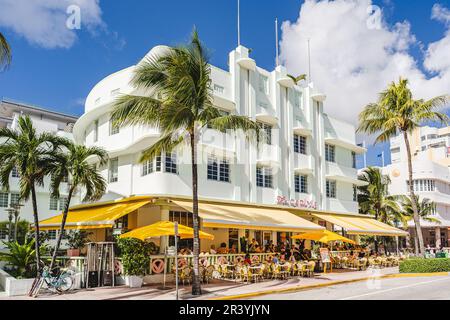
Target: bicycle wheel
[{"x": 65, "y": 284}]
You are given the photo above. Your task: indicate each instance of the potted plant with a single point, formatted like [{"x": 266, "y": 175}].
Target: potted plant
[
  {"x": 135, "y": 256},
  {"x": 76, "y": 240}
]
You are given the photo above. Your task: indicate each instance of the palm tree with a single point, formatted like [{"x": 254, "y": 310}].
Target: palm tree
[
  {"x": 426, "y": 209},
  {"x": 397, "y": 112},
  {"x": 5, "y": 52},
  {"x": 76, "y": 165},
  {"x": 297, "y": 79},
  {"x": 374, "y": 198},
  {"x": 32, "y": 154},
  {"x": 182, "y": 78}
]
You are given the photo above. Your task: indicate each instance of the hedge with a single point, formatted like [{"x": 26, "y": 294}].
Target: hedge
[{"x": 425, "y": 265}]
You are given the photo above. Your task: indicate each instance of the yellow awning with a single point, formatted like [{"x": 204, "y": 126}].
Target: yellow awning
[
  {"x": 164, "y": 228},
  {"x": 248, "y": 217},
  {"x": 98, "y": 217},
  {"x": 362, "y": 226}
]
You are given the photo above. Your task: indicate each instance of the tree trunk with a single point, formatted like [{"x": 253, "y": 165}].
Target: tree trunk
[
  {"x": 16, "y": 219},
  {"x": 375, "y": 238},
  {"x": 36, "y": 229},
  {"x": 196, "y": 286},
  {"x": 10, "y": 231},
  {"x": 61, "y": 230},
  {"x": 421, "y": 246}
]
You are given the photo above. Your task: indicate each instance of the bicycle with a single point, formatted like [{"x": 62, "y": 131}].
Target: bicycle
[{"x": 59, "y": 282}]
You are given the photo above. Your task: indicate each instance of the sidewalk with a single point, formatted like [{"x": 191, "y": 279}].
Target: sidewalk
[{"x": 218, "y": 290}]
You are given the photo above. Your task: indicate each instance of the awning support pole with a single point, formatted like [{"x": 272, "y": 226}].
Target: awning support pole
[{"x": 176, "y": 259}]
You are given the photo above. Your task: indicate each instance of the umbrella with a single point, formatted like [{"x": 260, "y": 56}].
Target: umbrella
[
  {"x": 324, "y": 237},
  {"x": 166, "y": 228}
]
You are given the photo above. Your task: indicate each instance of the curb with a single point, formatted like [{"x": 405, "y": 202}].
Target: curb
[{"x": 328, "y": 284}]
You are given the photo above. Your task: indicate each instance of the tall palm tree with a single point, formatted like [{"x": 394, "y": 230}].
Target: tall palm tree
[
  {"x": 32, "y": 154},
  {"x": 398, "y": 112},
  {"x": 374, "y": 198},
  {"x": 76, "y": 166},
  {"x": 426, "y": 209},
  {"x": 5, "y": 53},
  {"x": 182, "y": 78}
]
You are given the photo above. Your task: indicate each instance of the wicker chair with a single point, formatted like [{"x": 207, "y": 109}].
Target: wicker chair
[
  {"x": 311, "y": 268},
  {"x": 186, "y": 275}
]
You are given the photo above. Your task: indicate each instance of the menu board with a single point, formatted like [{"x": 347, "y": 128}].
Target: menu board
[{"x": 325, "y": 255}]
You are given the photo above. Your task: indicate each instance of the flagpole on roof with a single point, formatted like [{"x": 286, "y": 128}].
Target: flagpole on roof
[
  {"x": 276, "y": 44},
  {"x": 239, "y": 21}
]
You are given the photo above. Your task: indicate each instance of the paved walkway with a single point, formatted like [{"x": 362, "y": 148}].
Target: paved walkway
[{"x": 215, "y": 290}]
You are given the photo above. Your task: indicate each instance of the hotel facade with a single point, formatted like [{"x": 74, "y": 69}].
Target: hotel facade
[
  {"x": 431, "y": 173},
  {"x": 306, "y": 164}
]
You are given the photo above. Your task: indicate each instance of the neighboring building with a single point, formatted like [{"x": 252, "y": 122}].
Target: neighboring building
[
  {"x": 44, "y": 121},
  {"x": 430, "y": 149}
]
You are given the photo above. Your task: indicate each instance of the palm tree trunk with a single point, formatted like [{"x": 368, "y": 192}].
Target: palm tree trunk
[
  {"x": 61, "y": 230},
  {"x": 36, "y": 229},
  {"x": 375, "y": 238},
  {"x": 16, "y": 218},
  {"x": 421, "y": 246},
  {"x": 196, "y": 286}
]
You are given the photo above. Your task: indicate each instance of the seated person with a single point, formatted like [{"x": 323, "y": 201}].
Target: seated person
[
  {"x": 252, "y": 246},
  {"x": 223, "y": 249},
  {"x": 276, "y": 259},
  {"x": 185, "y": 252},
  {"x": 247, "y": 260},
  {"x": 213, "y": 249},
  {"x": 233, "y": 249}
]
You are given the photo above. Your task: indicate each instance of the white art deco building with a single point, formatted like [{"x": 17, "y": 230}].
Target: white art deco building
[
  {"x": 431, "y": 161},
  {"x": 306, "y": 166},
  {"x": 309, "y": 156}
]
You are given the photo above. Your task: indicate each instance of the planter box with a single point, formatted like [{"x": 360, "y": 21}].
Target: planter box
[
  {"x": 14, "y": 287},
  {"x": 73, "y": 252},
  {"x": 134, "y": 281}
]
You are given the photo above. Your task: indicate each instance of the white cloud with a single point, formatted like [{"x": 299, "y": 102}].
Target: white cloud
[
  {"x": 43, "y": 22},
  {"x": 440, "y": 13},
  {"x": 353, "y": 60}
]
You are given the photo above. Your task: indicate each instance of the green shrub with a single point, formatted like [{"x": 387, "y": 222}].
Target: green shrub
[
  {"x": 135, "y": 256},
  {"x": 20, "y": 259},
  {"x": 425, "y": 265}
]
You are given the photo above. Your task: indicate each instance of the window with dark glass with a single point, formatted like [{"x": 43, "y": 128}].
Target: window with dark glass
[{"x": 300, "y": 144}]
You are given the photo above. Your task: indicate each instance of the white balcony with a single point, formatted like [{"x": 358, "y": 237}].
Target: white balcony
[
  {"x": 268, "y": 156},
  {"x": 303, "y": 164},
  {"x": 340, "y": 173}
]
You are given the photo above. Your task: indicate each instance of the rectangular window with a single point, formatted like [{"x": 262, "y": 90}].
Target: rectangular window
[
  {"x": 300, "y": 144},
  {"x": 354, "y": 160},
  {"x": 62, "y": 203},
  {"x": 267, "y": 128},
  {"x": 96, "y": 131},
  {"x": 147, "y": 168},
  {"x": 219, "y": 89},
  {"x": 15, "y": 173},
  {"x": 113, "y": 129},
  {"x": 213, "y": 169},
  {"x": 171, "y": 163},
  {"x": 218, "y": 170},
  {"x": 54, "y": 204},
  {"x": 355, "y": 193},
  {"x": 158, "y": 165},
  {"x": 330, "y": 153},
  {"x": 3, "y": 234},
  {"x": 4, "y": 200},
  {"x": 52, "y": 234},
  {"x": 113, "y": 173},
  {"x": 331, "y": 189},
  {"x": 15, "y": 198},
  {"x": 301, "y": 184},
  {"x": 264, "y": 178},
  {"x": 263, "y": 84}
]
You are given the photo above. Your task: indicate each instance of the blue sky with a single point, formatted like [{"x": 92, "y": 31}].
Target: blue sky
[{"x": 61, "y": 78}]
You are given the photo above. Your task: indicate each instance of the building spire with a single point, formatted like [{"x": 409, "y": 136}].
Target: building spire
[
  {"x": 277, "y": 60},
  {"x": 239, "y": 21}
]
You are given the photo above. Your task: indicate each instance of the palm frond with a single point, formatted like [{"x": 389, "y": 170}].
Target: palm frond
[
  {"x": 5, "y": 53},
  {"x": 164, "y": 145}
]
